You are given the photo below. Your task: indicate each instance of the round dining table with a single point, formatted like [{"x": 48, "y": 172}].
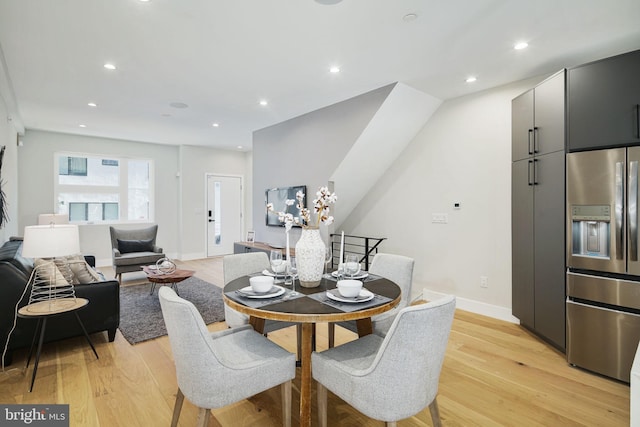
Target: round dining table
[{"x": 308, "y": 307}]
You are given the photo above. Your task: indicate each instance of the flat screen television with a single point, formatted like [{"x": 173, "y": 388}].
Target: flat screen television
[{"x": 278, "y": 196}]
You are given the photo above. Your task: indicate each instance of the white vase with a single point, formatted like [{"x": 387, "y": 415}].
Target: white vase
[{"x": 310, "y": 252}]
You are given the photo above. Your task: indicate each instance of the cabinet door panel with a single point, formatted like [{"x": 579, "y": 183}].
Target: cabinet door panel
[
  {"x": 603, "y": 100},
  {"x": 549, "y": 101},
  {"x": 549, "y": 243},
  {"x": 522, "y": 126},
  {"x": 522, "y": 242}
]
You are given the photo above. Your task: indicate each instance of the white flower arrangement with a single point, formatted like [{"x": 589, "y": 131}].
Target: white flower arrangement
[{"x": 321, "y": 203}]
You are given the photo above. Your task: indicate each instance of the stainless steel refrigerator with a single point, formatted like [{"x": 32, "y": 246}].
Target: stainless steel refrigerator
[{"x": 603, "y": 275}]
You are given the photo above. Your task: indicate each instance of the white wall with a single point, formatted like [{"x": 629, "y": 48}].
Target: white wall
[
  {"x": 9, "y": 172},
  {"x": 462, "y": 155},
  {"x": 179, "y": 200},
  {"x": 196, "y": 162},
  {"x": 306, "y": 150}
]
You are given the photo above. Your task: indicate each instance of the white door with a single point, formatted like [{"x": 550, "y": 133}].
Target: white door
[{"x": 224, "y": 214}]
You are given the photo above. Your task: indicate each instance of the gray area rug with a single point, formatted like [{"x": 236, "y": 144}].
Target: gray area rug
[{"x": 141, "y": 316}]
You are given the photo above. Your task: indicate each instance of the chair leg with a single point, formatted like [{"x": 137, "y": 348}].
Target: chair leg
[
  {"x": 435, "y": 413},
  {"x": 286, "y": 403},
  {"x": 203, "y": 417},
  {"x": 331, "y": 331},
  {"x": 322, "y": 405},
  {"x": 177, "y": 407},
  {"x": 391, "y": 424}
]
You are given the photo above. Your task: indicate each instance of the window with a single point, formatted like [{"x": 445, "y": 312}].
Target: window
[
  {"x": 73, "y": 166},
  {"x": 98, "y": 189}
]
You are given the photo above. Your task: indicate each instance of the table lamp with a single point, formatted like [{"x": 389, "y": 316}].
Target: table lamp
[{"x": 51, "y": 281}]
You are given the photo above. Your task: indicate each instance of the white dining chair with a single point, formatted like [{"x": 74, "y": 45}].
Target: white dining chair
[
  {"x": 217, "y": 369},
  {"x": 393, "y": 377},
  {"x": 398, "y": 269},
  {"x": 238, "y": 265}
]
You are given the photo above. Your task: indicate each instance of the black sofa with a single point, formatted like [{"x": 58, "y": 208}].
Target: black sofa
[{"x": 102, "y": 313}]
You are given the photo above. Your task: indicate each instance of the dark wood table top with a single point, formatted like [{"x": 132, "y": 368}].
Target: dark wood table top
[{"x": 308, "y": 310}]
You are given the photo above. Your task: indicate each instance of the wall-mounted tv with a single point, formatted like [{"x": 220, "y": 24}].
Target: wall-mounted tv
[{"x": 278, "y": 197}]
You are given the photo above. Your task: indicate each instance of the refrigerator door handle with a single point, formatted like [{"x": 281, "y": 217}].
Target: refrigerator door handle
[
  {"x": 632, "y": 210},
  {"x": 619, "y": 208}
]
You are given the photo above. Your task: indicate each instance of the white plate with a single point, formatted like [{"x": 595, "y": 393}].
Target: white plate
[
  {"x": 274, "y": 292},
  {"x": 272, "y": 274},
  {"x": 360, "y": 275},
  {"x": 365, "y": 295}
]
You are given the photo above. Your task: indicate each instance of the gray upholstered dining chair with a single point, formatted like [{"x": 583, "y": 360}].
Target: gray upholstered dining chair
[
  {"x": 132, "y": 249},
  {"x": 398, "y": 269},
  {"x": 238, "y": 265},
  {"x": 394, "y": 377},
  {"x": 217, "y": 369}
]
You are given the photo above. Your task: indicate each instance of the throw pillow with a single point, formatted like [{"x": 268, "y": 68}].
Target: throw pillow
[
  {"x": 81, "y": 271},
  {"x": 128, "y": 246},
  {"x": 48, "y": 271}
]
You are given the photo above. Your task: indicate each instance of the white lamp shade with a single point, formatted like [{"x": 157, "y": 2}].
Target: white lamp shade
[
  {"x": 49, "y": 241},
  {"x": 48, "y": 219}
]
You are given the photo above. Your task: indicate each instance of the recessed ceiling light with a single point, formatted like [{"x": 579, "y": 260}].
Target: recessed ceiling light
[
  {"x": 471, "y": 79},
  {"x": 263, "y": 102},
  {"x": 92, "y": 104},
  {"x": 239, "y": 147},
  {"x": 178, "y": 105},
  {"x": 215, "y": 125},
  {"x": 409, "y": 17},
  {"x": 334, "y": 70},
  {"x": 521, "y": 45},
  {"x": 328, "y": 2},
  {"x": 109, "y": 66},
  {"x": 82, "y": 126}
]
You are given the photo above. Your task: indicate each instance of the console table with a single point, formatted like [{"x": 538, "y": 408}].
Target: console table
[{"x": 244, "y": 247}]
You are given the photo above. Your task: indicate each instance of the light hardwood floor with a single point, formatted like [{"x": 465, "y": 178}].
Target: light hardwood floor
[{"x": 495, "y": 374}]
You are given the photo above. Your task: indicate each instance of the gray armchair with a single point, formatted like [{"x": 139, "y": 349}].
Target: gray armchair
[
  {"x": 221, "y": 368},
  {"x": 398, "y": 269},
  {"x": 394, "y": 377},
  {"x": 133, "y": 248}
]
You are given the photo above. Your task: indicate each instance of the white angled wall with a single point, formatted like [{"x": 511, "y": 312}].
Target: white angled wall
[{"x": 462, "y": 155}]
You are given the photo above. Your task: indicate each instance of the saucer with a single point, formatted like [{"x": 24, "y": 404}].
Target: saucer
[
  {"x": 275, "y": 291},
  {"x": 365, "y": 295},
  {"x": 360, "y": 275}
]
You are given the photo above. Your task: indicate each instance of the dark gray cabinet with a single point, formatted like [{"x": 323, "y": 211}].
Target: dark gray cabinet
[
  {"x": 603, "y": 103},
  {"x": 537, "y": 119},
  {"x": 538, "y": 209}
]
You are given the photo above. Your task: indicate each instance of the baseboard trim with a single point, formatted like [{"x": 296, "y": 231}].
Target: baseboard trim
[{"x": 490, "y": 310}]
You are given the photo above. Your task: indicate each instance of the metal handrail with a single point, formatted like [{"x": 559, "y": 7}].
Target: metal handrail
[{"x": 366, "y": 247}]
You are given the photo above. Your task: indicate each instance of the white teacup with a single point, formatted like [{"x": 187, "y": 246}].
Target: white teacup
[
  {"x": 349, "y": 288},
  {"x": 261, "y": 284}
]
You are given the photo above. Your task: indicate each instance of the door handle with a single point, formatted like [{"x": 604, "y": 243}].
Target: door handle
[
  {"x": 535, "y": 171},
  {"x": 535, "y": 139},
  {"x": 529, "y": 166},
  {"x": 638, "y": 120},
  {"x": 632, "y": 210},
  {"x": 529, "y": 149},
  {"x": 619, "y": 209},
  {"x": 212, "y": 220}
]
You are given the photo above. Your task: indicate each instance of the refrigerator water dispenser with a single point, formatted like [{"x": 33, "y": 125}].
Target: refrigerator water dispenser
[{"x": 591, "y": 230}]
